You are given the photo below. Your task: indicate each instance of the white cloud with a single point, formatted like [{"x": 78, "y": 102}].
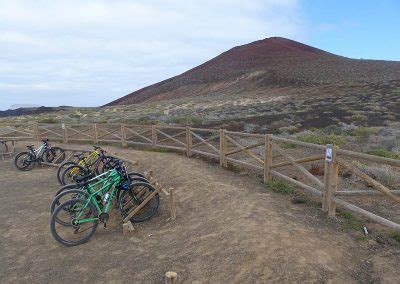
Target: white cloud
[{"x": 101, "y": 50}]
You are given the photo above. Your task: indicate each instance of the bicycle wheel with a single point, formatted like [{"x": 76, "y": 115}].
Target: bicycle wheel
[
  {"x": 71, "y": 173},
  {"x": 62, "y": 168},
  {"x": 53, "y": 155},
  {"x": 3, "y": 147},
  {"x": 60, "y": 191},
  {"x": 24, "y": 161},
  {"x": 78, "y": 231},
  {"x": 62, "y": 198},
  {"x": 132, "y": 198},
  {"x": 104, "y": 164}
]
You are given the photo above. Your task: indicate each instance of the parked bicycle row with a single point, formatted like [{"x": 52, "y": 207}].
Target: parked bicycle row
[{"x": 90, "y": 184}]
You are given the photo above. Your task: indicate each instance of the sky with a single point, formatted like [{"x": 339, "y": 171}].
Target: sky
[{"x": 88, "y": 53}]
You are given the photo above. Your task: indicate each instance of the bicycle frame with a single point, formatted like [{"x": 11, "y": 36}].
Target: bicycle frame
[
  {"x": 110, "y": 183},
  {"x": 39, "y": 151}
]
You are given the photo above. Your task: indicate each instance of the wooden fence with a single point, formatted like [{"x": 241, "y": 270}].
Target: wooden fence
[{"x": 263, "y": 153}]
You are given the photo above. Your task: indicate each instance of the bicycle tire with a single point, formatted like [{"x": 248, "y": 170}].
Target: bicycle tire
[
  {"x": 27, "y": 163},
  {"x": 148, "y": 211},
  {"x": 80, "y": 171},
  {"x": 62, "y": 168},
  {"x": 53, "y": 224},
  {"x": 76, "y": 193}
]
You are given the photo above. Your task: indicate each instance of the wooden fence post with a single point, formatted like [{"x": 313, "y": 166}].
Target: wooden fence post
[
  {"x": 189, "y": 141},
  {"x": 222, "y": 148},
  {"x": 95, "y": 134},
  {"x": 267, "y": 158},
  {"x": 123, "y": 135},
  {"x": 153, "y": 135},
  {"x": 328, "y": 177},
  {"x": 64, "y": 133},
  {"x": 36, "y": 132},
  {"x": 334, "y": 183}
]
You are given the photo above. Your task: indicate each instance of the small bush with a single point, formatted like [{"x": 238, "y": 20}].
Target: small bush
[
  {"x": 285, "y": 145},
  {"x": 384, "y": 153},
  {"x": 280, "y": 186},
  {"x": 358, "y": 117},
  {"x": 322, "y": 138},
  {"x": 395, "y": 236},
  {"x": 349, "y": 221},
  {"x": 363, "y": 132},
  {"x": 49, "y": 120}
]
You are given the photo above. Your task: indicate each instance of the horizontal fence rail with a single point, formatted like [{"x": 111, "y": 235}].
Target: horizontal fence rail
[{"x": 262, "y": 153}]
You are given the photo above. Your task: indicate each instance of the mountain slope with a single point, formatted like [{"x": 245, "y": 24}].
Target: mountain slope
[{"x": 263, "y": 65}]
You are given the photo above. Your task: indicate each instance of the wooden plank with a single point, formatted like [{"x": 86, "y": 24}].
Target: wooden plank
[
  {"x": 141, "y": 205},
  {"x": 368, "y": 214},
  {"x": 123, "y": 134},
  {"x": 334, "y": 183},
  {"x": 109, "y": 132},
  {"x": 172, "y": 203},
  {"x": 79, "y": 132},
  {"x": 189, "y": 142},
  {"x": 173, "y": 136},
  {"x": 138, "y": 134},
  {"x": 363, "y": 192},
  {"x": 247, "y": 165},
  {"x": 369, "y": 180},
  {"x": 48, "y": 131},
  {"x": 267, "y": 158},
  {"x": 244, "y": 134},
  {"x": 368, "y": 157},
  {"x": 299, "y": 161},
  {"x": 202, "y": 153},
  {"x": 306, "y": 187},
  {"x": 246, "y": 147},
  {"x": 298, "y": 143},
  {"x": 248, "y": 152},
  {"x": 95, "y": 134},
  {"x": 298, "y": 166},
  {"x": 216, "y": 131},
  {"x": 170, "y": 137},
  {"x": 205, "y": 141},
  {"x": 222, "y": 146}
]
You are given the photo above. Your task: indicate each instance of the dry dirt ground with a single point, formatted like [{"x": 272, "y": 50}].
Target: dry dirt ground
[{"x": 229, "y": 227}]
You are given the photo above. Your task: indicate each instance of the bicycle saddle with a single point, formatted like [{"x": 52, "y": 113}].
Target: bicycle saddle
[
  {"x": 96, "y": 147},
  {"x": 45, "y": 140},
  {"x": 81, "y": 179},
  {"x": 30, "y": 146},
  {"x": 79, "y": 156}
]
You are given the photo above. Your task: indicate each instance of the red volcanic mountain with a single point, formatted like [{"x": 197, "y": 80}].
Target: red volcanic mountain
[{"x": 263, "y": 65}]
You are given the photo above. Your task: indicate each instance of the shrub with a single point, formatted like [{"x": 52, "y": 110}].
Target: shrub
[
  {"x": 395, "y": 236},
  {"x": 280, "y": 186},
  {"x": 49, "y": 120},
  {"x": 363, "y": 132},
  {"x": 359, "y": 117},
  {"x": 349, "y": 221},
  {"x": 322, "y": 138},
  {"x": 285, "y": 145}
]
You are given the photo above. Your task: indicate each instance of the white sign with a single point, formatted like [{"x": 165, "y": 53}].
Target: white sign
[
  {"x": 328, "y": 154},
  {"x": 63, "y": 126}
]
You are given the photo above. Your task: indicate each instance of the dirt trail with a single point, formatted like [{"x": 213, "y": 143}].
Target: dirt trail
[{"x": 229, "y": 227}]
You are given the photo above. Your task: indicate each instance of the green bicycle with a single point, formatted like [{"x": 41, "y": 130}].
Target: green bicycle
[{"x": 75, "y": 221}]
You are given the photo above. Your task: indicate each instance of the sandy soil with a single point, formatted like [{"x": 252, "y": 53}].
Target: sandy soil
[{"x": 229, "y": 227}]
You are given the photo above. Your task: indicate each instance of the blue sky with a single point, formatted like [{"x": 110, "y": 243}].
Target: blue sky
[{"x": 87, "y": 53}]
